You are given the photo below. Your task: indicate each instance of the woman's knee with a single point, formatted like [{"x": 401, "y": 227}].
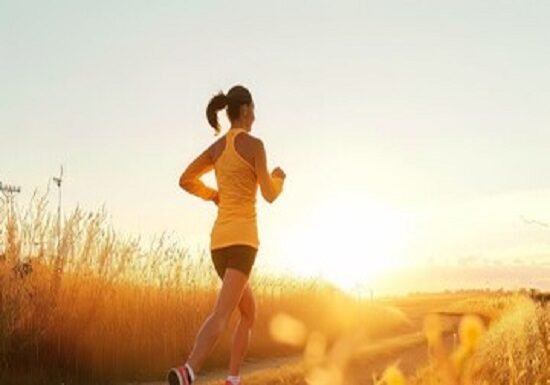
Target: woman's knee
[
  {"x": 248, "y": 318},
  {"x": 248, "y": 313}
]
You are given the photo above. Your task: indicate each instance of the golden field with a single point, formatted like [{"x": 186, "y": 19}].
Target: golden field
[{"x": 101, "y": 308}]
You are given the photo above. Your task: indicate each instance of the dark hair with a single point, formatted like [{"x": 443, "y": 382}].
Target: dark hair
[{"x": 235, "y": 98}]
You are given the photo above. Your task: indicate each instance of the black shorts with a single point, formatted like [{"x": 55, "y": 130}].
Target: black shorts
[{"x": 239, "y": 257}]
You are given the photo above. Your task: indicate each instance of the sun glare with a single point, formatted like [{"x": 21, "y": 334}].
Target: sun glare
[{"x": 348, "y": 241}]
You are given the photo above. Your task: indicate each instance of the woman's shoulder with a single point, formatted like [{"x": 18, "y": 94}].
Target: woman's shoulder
[
  {"x": 255, "y": 139},
  {"x": 249, "y": 147},
  {"x": 250, "y": 141}
]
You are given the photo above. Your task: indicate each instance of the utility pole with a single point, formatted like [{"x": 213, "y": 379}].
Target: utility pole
[
  {"x": 9, "y": 193},
  {"x": 58, "y": 180}
]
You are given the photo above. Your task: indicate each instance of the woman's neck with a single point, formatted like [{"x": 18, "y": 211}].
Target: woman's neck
[{"x": 237, "y": 126}]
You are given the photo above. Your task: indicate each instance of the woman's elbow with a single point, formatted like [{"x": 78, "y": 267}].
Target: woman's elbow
[
  {"x": 185, "y": 183},
  {"x": 269, "y": 198}
]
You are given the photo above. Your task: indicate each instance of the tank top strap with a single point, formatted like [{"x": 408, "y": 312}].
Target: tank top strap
[
  {"x": 230, "y": 146},
  {"x": 231, "y": 135}
]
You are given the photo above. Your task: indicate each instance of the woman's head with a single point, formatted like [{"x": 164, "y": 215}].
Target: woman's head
[{"x": 240, "y": 108}]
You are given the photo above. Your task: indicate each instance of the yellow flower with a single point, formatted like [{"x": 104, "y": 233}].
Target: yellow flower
[
  {"x": 470, "y": 330},
  {"x": 393, "y": 376}
]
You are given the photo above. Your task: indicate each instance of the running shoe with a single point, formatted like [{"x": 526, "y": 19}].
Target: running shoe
[{"x": 178, "y": 376}]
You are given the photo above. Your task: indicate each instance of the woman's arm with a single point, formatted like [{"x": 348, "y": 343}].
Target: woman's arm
[
  {"x": 190, "y": 179},
  {"x": 271, "y": 186}
]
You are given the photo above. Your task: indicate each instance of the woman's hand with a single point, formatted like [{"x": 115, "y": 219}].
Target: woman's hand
[
  {"x": 216, "y": 198},
  {"x": 278, "y": 173}
]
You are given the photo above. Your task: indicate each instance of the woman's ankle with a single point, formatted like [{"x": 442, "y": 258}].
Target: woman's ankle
[{"x": 190, "y": 372}]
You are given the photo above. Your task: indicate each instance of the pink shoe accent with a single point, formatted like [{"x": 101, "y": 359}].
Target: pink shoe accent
[{"x": 183, "y": 374}]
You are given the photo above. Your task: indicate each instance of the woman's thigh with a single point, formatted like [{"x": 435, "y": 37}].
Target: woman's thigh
[
  {"x": 233, "y": 286},
  {"x": 237, "y": 257}
]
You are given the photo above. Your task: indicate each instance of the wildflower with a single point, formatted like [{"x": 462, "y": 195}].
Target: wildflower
[
  {"x": 393, "y": 376},
  {"x": 470, "y": 330},
  {"x": 288, "y": 330}
]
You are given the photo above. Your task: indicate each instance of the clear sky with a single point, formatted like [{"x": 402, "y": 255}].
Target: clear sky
[{"x": 411, "y": 132}]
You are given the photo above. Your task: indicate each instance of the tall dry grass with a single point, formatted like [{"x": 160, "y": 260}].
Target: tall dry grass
[
  {"x": 513, "y": 351},
  {"x": 102, "y": 306}
]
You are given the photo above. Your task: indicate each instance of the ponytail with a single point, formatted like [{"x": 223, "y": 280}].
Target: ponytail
[
  {"x": 218, "y": 102},
  {"x": 235, "y": 98}
]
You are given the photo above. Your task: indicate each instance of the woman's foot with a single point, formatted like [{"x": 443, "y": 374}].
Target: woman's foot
[{"x": 178, "y": 376}]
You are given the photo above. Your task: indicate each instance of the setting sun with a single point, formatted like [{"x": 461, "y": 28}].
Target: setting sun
[{"x": 348, "y": 240}]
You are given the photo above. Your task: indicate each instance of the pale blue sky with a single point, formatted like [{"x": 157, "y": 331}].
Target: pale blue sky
[{"x": 435, "y": 108}]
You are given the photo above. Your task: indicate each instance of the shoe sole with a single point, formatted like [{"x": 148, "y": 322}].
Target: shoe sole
[{"x": 174, "y": 378}]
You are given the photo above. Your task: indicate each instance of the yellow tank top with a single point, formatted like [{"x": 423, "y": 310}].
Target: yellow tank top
[{"x": 237, "y": 186}]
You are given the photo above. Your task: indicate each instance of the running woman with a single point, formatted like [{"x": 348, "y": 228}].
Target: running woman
[{"x": 239, "y": 162}]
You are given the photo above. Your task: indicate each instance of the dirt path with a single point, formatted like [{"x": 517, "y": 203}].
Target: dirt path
[
  {"x": 409, "y": 349},
  {"x": 409, "y": 360}
]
